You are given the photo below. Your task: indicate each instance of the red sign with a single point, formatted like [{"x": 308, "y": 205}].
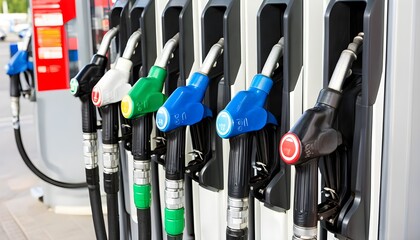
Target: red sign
[{"x": 51, "y": 49}]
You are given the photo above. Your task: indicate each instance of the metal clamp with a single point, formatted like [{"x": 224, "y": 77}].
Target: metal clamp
[
  {"x": 302, "y": 233},
  {"x": 167, "y": 51},
  {"x": 174, "y": 193},
  {"x": 90, "y": 150},
  {"x": 342, "y": 69},
  {"x": 237, "y": 213},
  {"x": 110, "y": 158},
  {"x": 141, "y": 173}
]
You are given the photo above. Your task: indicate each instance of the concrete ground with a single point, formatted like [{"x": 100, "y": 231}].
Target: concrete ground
[{"x": 23, "y": 216}]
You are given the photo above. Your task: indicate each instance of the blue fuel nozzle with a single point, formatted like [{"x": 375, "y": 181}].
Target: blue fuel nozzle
[
  {"x": 19, "y": 63},
  {"x": 184, "y": 107},
  {"x": 245, "y": 112}
]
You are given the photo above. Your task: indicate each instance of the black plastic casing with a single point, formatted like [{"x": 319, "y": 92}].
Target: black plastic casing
[
  {"x": 219, "y": 19},
  {"x": 344, "y": 19}
]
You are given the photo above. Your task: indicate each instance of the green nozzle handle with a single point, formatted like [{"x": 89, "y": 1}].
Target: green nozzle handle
[{"x": 146, "y": 95}]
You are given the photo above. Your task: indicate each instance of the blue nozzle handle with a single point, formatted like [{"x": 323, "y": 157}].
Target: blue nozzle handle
[
  {"x": 184, "y": 107},
  {"x": 19, "y": 63},
  {"x": 245, "y": 112}
]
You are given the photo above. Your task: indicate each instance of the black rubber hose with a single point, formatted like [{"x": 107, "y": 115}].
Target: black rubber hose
[
  {"x": 189, "y": 208},
  {"x": 251, "y": 216},
  {"x": 156, "y": 200},
  {"x": 36, "y": 171},
  {"x": 177, "y": 237},
  {"x": 142, "y": 128},
  {"x": 92, "y": 178},
  {"x": 111, "y": 186},
  {"x": 144, "y": 224}
]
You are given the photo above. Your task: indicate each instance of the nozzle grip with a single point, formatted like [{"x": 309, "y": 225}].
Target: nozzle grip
[
  {"x": 239, "y": 165},
  {"x": 142, "y": 128},
  {"x": 175, "y": 154},
  {"x": 15, "y": 85},
  {"x": 306, "y": 194},
  {"x": 88, "y": 116},
  {"x": 110, "y": 123}
]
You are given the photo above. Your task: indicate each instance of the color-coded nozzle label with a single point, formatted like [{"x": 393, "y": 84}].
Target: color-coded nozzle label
[
  {"x": 74, "y": 86},
  {"x": 127, "y": 106},
  {"x": 96, "y": 96},
  {"x": 162, "y": 118},
  {"x": 290, "y": 148},
  {"x": 224, "y": 124}
]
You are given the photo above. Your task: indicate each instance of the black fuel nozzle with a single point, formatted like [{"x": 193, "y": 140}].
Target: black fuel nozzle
[
  {"x": 312, "y": 137},
  {"x": 82, "y": 84}
]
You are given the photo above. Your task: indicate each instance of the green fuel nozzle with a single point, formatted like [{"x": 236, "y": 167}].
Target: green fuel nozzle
[{"x": 146, "y": 95}]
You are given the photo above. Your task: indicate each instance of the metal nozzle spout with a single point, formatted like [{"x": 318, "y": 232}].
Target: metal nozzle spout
[{"x": 167, "y": 51}]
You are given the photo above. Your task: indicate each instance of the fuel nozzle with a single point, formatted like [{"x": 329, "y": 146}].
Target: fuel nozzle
[
  {"x": 82, "y": 84},
  {"x": 246, "y": 112},
  {"x": 242, "y": 117},
  {"x": 184, "y": 107},
  {"x": 313, "y": 136},
  {"x": 19, "y": 63},
  {"x": 112, "y": 87},
  {"x": 146, "y": 95}
]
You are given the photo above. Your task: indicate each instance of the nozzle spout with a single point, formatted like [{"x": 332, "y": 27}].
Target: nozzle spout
[
  {"x": 167, "y": 51},
  {"x": 132, "y": 43},
  {"x": 215, "y": 51},
  {"x": 342, "y": 69},
  {"x": 106, "y": 40},
  {"x": 273, "y": 58}
]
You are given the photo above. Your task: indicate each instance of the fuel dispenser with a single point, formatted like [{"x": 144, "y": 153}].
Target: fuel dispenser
[
  {"x": 46, "y": 82},
  {"x": 252, "y": 128},
  {"x": 336, "y": 135},
  {"x": 184, "y": 108},
  {"x": 81, "y": 87},
  {"x": 146, "y": 96},
  {"x": 106, "y": 95}
]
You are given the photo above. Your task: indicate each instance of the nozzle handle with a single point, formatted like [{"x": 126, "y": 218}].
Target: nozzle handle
[
  {"x": 88, "y": 116},
  {"x": 110, "y": 123},
  {"x": 305, "y": 213},
  {"x": 142, "y": 128},
  {"x": 15, "y": 85},
  {"x": 175, "y": 154},
  {"x": 239, "y": 171}
]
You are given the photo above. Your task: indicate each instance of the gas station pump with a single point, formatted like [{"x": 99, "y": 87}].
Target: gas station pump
[
  {"x": 81, "y": 86},
  {"x": 146, "y": 97},
  {"x": 51, "y": 73},
  {"x": 336, "y": 135}
]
